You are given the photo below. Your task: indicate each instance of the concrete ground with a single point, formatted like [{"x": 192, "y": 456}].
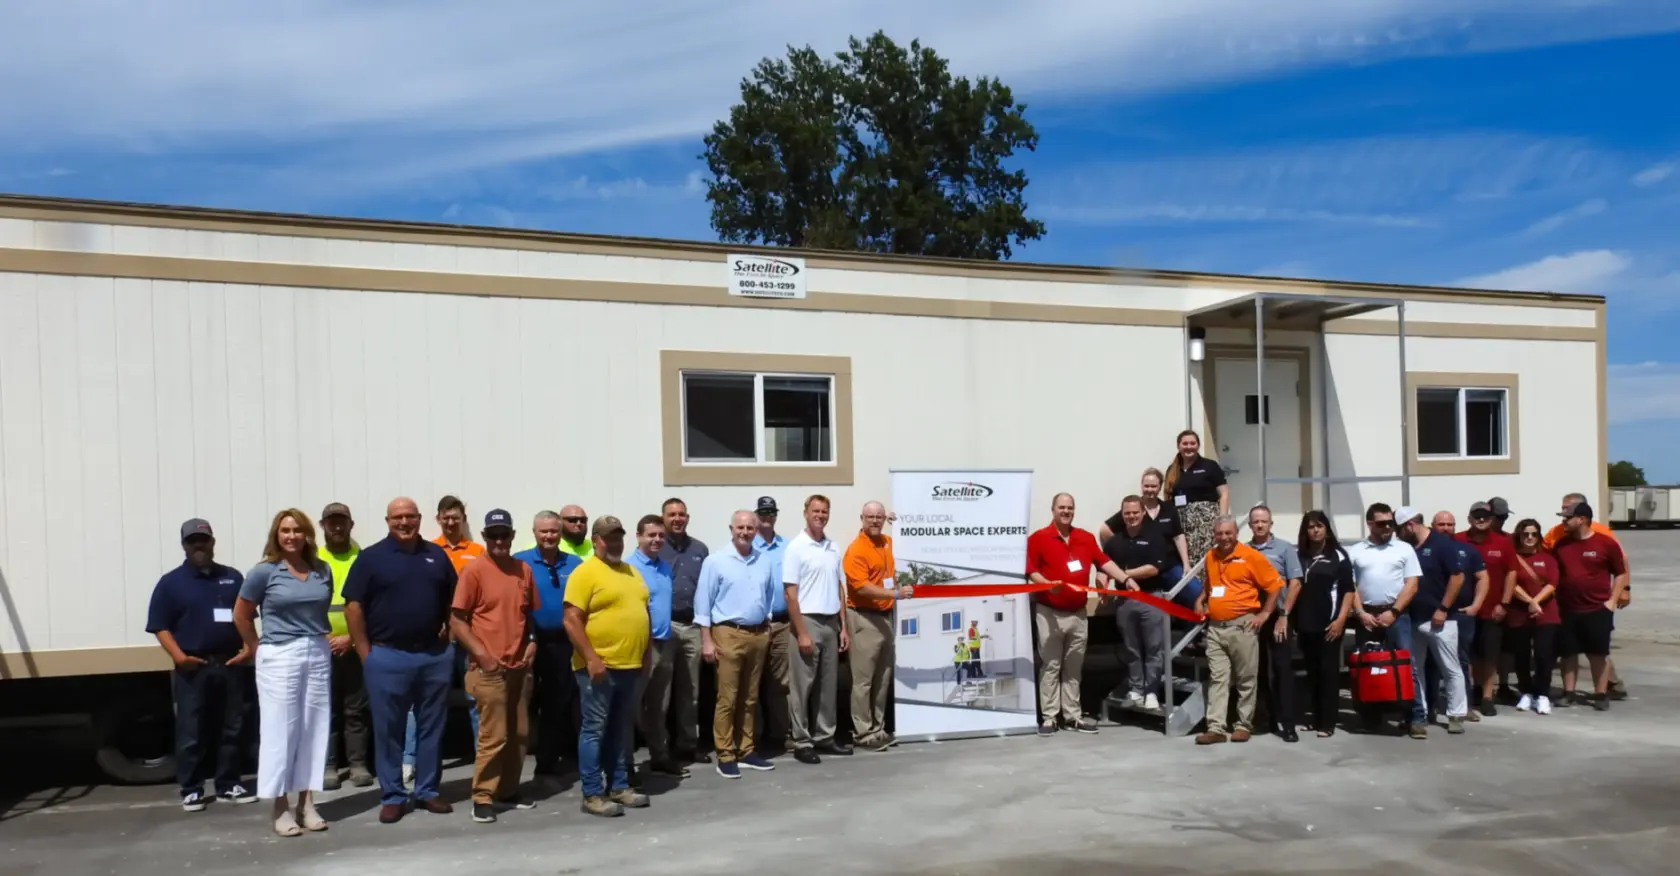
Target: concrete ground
[{"x": 1578, "y": 792}]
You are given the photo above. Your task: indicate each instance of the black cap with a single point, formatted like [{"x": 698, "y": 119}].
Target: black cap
[
  {"x": 766, "y": 505},
  {"x": 1499, "y": 507},
  {"x": 1579, "y": 509},
  {"x": 1481, "y": 510},
  {"x": 498, "y": 519},
  {"x": 196, "y": 526}
]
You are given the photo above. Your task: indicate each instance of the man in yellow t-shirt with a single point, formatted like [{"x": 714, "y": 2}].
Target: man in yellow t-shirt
[
  {"x": 611, "y": 631},
  {"x": 349, "y": 739}
]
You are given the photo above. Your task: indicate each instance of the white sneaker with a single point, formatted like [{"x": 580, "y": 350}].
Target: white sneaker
[
  {"x": 1543, "y": 706},
  {"x": 408, "y": 774},
  {"x": 1152, "y": 703},
  {"x": 1134, "y": 699},
  {"x": 1526, "y": 703}
]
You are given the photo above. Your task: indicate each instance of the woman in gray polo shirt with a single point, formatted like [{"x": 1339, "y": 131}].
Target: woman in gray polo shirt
[{"x": 292, "y": 588}]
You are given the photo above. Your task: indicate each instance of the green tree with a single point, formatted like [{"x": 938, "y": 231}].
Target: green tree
[
  {"x": 1626, "y": 474},
  {"x": 880, "y": 150}
]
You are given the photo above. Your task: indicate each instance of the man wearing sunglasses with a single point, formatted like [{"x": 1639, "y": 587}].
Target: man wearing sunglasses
[
  {"x": 1496, "y": 550},
  {"x": 1386, "y": 572},
  {"x": 574, "y": 533}
]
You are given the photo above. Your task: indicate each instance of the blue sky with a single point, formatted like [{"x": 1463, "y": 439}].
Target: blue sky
[{"x": 1481, "y": 142}]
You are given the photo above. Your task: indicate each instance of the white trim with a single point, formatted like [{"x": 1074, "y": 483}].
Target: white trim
[
  {"x": 1463, "y": 424},
  {"x": 758, "y": 377}
]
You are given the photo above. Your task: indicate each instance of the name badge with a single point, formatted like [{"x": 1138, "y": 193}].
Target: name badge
[
  {"x": 1218, "y": 591},
  {"x": 887, "y": 583},
  {"x": 1073, "y": 566},
  {"x": 223, "y": 615},
  {"x": 1181, "y": 501}
]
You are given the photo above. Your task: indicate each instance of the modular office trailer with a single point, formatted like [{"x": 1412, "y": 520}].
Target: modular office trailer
[{"x": 161, "y": 363}]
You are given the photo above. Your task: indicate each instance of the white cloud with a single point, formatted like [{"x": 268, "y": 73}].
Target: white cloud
[
  {"x": 1654, "y": 174},
  {"x": 1589, "y": 271},
  {"x": 1644, "y": 392},
  {"x": 1558, "y": 220},
  {"x": 465, "y": 86}
]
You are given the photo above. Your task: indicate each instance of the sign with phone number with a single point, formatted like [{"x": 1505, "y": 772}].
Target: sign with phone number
[{"x": 760, "y": 276}]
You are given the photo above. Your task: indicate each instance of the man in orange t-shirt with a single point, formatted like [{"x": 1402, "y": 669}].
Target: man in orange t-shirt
[
  {"x": 456, "y": 540},
  {"x": 491, "y": 619},
  {"x": 870, "y": 597},
  {"x": 1237, "y": 575}
]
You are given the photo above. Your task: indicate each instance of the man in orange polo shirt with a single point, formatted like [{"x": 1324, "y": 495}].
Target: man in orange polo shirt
[
  {"x": 1063, "y": 554},
  {"x": 1558, "y": 533},
  {"x": 870, "y": 597},
  {"x": 1237, "y": 575}
]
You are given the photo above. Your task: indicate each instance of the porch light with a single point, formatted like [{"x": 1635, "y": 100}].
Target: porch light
[{"x": 1198, "y": 344}]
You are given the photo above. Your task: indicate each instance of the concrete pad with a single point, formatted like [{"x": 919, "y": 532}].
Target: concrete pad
[{"x": 1578, "y": 792}]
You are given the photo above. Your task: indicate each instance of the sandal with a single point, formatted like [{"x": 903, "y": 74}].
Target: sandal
[
  {"x": 285, "y": 825},
  {"x": 309, "y": 818},
  {"x": 1326, "y": 734}
]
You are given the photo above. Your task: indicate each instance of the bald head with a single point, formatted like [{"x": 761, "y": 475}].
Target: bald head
[
  {"x": 402, "y": 518},
  {"x": 574, "y": 524},
  {"x": 874, "y": 518},
  {"x": 1444, "y": 523}
]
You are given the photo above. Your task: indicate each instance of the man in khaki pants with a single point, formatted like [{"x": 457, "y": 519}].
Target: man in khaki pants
[
  {"x": 732, "y": 608},
  {"x": 491, "y": 618},
  {"x": 1236, "y": 575},
  {"x": 870, "y": 598},
  {"x": 1063, "y": 554}
]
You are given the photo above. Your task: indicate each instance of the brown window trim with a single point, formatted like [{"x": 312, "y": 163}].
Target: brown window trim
[{"x": 1509, "y": 464}]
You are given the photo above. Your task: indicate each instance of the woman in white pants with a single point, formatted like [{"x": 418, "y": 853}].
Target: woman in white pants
[{"x": 292, "y": 589}]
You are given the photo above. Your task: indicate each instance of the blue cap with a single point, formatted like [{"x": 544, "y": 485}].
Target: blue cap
[{"x": 498, "y": 519}]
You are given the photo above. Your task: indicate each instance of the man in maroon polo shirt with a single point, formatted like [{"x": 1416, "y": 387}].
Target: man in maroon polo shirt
[
  {"x": 1592, "y": 576},
  {"x": 1061, "y": 554},
  {"x": 1496, "y": 549}
]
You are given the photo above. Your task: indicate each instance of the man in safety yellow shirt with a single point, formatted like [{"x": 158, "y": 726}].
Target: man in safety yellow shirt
[{"x": 350, "y": 718}]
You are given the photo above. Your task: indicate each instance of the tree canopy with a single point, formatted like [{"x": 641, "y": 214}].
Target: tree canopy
[
  {"x": 880, "y": 149},
  {"x": 1626, "y": 474}
]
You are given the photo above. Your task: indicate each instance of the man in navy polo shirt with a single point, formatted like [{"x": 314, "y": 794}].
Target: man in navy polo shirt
[
  {"x": 396, "y": 601},
  {"x": 191, "y": 613},
  {"x": 1434, "y": 617}
]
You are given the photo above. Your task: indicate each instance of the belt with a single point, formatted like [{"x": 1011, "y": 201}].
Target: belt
[
  {"x": 745, "y": 628},
  {"x": 780, "y": 617},
  {"x": 1379, "y": 609},
  {"x": 1241, "y": 619},
  {"x": 874, "y": 611},
  {"x": 219, "y": 657},
  {"x": 682, "y": 615},
  {"x": 818, "y": 615}
]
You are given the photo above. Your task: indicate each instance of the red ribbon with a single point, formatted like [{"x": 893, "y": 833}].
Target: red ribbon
[{"x": 962, "y": 591}]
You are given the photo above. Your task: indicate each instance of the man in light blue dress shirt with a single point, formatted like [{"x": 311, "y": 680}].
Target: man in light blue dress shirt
[
  {"x": 732, "y": 609},
  {"x": 656, "y": 686},
  {"x": 776, "y": 723}
]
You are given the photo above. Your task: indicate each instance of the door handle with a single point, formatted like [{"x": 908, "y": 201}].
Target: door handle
[{"x": 1231, "y": 471}]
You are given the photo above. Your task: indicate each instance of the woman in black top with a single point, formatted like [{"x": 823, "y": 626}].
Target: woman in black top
[
  {"x": 1196, "y": 487},
  {"x": 1321, "y": 613}
]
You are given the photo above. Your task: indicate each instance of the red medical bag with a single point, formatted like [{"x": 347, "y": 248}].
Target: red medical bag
[{"x": 1380, "y": 677}]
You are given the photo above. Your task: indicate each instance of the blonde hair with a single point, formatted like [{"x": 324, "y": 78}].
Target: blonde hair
[
  {"x": 272, "y": 552},
  {"x": 1152, "y": 470}
]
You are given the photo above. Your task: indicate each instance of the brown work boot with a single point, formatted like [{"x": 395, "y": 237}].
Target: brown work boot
[
  {"x": 602, "y": 806},
  {"x": 1240, "y": 736},
  {"x": 628, "y": 798},
  {"x": 391, "y": 813},
  {"x": 437, "y": 806},
  {"x": 1211, "y": 739}
]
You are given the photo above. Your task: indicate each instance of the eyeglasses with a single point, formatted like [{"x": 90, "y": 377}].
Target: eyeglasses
[
  {"x": 1528, "y": 534},
  {"x": 1383, "y": 524},
  {"x": 575, "y": 519}
]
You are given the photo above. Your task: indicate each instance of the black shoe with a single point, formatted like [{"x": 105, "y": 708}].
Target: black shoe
[
  {"x": 1288, "y": 734},
  {"x": 694, "y": 757},
  {"x": 1618, "y": 690},
  {"x": 668, "y": 768},
  {"x": 807, "y": 755},
  {"x": 483, "y": 813},
  {"x": 511, "y": 804},
  {"x": 1601, "y": 703},
  {"x": 836, "y": 749},
  {"x": 1488, "y": 709}
]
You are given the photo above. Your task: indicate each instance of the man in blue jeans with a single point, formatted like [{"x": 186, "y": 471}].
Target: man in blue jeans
[
  {"x": 396, "y": 603},
  {"x": 1386, "y": 571},
  {"x": 611, "y": 629}
]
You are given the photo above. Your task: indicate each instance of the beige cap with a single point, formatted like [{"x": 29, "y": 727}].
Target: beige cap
[{"x": 605, "y": 526}]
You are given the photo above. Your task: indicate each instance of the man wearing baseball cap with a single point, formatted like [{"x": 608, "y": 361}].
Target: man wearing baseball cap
[
  {"x": 491, "y": 619},
  {"x": 1501, "y": 511},
  {"x": 1497, "y": 551},
  {"x": 777, "y": 672},
  {"x": 191, "y": 613},
  {"x": 1556, "y": 535},
  {"x": 1592, "y": 575},
  {"x": 611, "y": 631},
  {"x": 350, "y": 721},
  {"x": 1433, "y": 613}
]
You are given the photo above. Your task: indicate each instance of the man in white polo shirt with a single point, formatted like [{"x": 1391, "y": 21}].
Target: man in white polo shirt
[
  {"x": 1386, "y": 572},
  {"x": 815, "y": 586}
]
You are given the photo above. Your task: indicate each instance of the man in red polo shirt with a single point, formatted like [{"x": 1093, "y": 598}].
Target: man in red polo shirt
[
  {"x": 1062, "y": 555},
  {"x": 1496, "y": 549},
  {"x": 1592, "y": 576}
]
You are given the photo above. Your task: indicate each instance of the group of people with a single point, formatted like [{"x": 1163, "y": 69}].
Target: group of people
[
  {"x": 1471, "y": 607},
  {"x": 591, "y": 635}
]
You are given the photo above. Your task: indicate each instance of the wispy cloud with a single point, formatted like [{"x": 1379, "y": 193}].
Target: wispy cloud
[
  {"x": 1589, "y": 271},
  {"x": 1558, "y": 220},
  {"x": 456, "y": 88},
  {"x": 1644, "y": 392},
  {"x": 1654, "y": 174},
  {"x": 1154, "y": 214}
]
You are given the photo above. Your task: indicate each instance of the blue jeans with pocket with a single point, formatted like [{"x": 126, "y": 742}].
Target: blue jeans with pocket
[
  {"x": 400, "y": 682},
  {"x": 609, "y": 722}
]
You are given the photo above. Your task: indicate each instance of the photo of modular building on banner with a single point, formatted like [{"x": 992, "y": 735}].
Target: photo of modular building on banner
[{"x": 965, "y": 665}]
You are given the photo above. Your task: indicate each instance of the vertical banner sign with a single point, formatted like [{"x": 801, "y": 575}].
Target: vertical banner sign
[{"x": 964, "y": 667}]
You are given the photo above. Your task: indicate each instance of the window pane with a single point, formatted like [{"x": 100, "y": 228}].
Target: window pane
[
  {"x": 1484, "y": 422},
  {"x": 1437, "y": 425},
  {"x": 796, "y": 419},
  {"x": 718, "y": 416}
]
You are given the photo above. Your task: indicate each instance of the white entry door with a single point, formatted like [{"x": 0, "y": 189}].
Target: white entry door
[{"x": 1237, "y": 416}]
